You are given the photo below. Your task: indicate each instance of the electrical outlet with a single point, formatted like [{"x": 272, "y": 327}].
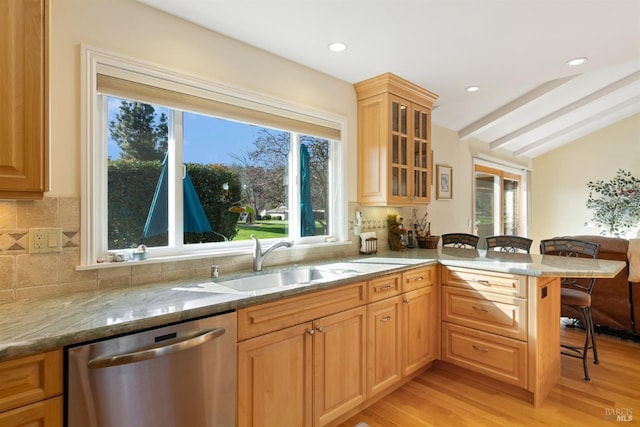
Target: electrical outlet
[{"x": 43, "y": 240}]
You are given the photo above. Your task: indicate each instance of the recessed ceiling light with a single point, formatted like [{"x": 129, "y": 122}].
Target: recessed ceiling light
[
  {"x": 576, "y": 61},
  {"x": 337, "y": 46},
  {"x": 472, "y": 88}
]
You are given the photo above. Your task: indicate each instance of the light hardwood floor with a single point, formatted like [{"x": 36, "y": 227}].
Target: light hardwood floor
[{"x": 444, "y": 397}]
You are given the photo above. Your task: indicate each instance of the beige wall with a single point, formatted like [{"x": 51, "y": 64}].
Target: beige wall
[
  {"x": 560, "y": 177},
  {"x": 129, "y": 28}
]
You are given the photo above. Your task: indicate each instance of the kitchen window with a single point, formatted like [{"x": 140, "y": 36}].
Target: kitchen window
[{"x": 185, "y": 166}]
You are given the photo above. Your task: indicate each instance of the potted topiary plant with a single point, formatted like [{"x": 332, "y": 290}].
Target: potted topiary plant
[{"x": 615, "y": 203}]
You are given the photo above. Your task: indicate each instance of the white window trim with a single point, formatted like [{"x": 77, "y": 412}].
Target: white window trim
[
  {"x": 94, "y": 172},
  {"x": 509, "y": 167}
]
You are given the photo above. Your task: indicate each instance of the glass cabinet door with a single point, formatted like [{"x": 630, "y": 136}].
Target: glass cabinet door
[
  {"x": 399, "y": 148},
  {"x": 421, "y": 153}
]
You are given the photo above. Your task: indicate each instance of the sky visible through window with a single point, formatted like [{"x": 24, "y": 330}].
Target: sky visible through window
[{"x": 207, "y": 140}]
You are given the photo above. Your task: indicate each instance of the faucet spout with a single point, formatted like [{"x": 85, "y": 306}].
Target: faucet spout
[{"x": 259, "y": 256}]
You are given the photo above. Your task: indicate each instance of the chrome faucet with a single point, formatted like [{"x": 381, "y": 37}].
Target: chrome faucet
[{"x": 259, "y": 256}]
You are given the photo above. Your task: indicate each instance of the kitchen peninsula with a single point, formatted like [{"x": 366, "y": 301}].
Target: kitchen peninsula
[{"x": 525, "y": 288}]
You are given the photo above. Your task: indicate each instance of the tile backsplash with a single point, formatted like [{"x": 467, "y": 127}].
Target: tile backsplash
[{"x": 24, "y": 275}]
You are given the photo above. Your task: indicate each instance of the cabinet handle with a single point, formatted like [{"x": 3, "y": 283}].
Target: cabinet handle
[
  {"x": 383, "y": 288},
  {"x": 417, "y": 279},
  {"x": 311, "y": 332},
  {"x": 385, "y": 319},
  {"x": 319, "y": 329},
  {"x": 482, "y": 349},
  {"x": 480, "y": 309},
  {"x": 482, "y": 282}
]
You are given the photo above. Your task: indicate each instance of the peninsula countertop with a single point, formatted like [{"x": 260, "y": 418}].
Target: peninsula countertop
[{"x": 37, "y": 325}]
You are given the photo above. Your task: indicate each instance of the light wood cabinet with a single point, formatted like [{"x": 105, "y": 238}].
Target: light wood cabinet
[
  {"x": 420, "y": 336},
  {"x": 339, "y": 357},
  {"x": 275, "y": 378},
  {"x": 403, "y": 333},
  {"x": 394, "y": 142},
  {"x": 31, "y": 389},
  {"x": 307, "y": 374},
  {"x": 499, "y": 325},
  {"x": 310, "y": 360},
  {"x": 485, "y": 323},
  {"x": 384, "y": 344},
  {"x": 24, "y": 110}
]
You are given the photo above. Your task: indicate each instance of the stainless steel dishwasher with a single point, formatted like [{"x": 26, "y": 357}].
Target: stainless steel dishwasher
[{"x": 182, "y": 375}]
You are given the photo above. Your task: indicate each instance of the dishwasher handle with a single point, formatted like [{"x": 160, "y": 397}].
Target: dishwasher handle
[{"x": 153, "y": 352}]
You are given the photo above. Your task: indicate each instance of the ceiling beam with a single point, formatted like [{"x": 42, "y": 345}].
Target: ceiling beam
[
  {"x": 586, "y": 123},
  {"x": 500, "y": 142},
  {"x": 490, "y": 119}
]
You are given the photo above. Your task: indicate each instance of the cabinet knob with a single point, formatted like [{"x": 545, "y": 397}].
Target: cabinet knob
[
  {"x": 406, "y": 300},
  {"x": 311, "y": 332},
  {"x": 319, "y": 329}
]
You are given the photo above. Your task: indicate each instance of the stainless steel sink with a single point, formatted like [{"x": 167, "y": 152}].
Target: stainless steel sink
[
  {"x": 290, "y": 278},
  {"x": 280, "y": 279}
]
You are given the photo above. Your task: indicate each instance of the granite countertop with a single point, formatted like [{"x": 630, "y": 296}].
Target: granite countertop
[{"x": 38, "y": 325}]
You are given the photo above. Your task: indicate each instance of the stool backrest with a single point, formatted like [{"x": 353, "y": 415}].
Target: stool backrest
[
  {"x": 508, "y": 243},
  {"x": 460, "y": 240},
  {"x": 576, "y": 249}
]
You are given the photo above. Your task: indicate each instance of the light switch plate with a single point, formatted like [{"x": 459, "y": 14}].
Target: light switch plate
[{"x": 45, "y": 240}]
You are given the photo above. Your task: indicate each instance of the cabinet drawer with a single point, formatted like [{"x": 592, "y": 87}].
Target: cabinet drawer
[
  {"x": 384, "y": 287},
  {"x": 272, "y": 316},
  {"x": 47, "y": 413},
  {"x": 30, "y": 379},
  {"x": 494, "y": 356},
  {"x": 418, "y": 278},
  {"x": 499, "y": 314},
  {"x": 508, "y": 284}
]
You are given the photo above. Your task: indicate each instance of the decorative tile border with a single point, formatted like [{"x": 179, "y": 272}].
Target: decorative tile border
[{"x": 15, "y": 242}]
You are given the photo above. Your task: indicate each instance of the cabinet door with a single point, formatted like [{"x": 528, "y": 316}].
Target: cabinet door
[
  {"x": 47, "y": 413},
  {"x": 339, "y": 364},
  {"x": 420, "y": 154},
  {"x": 23, "y": 99},
  {"x": 274, "y": 378},
  {"x": 384, "y": 352},
  {"x": 420, "y": 334},
  {"x": 400, "y": 156}
]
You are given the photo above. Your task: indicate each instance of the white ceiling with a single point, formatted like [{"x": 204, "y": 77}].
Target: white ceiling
[{"x": 530, "y": 101}]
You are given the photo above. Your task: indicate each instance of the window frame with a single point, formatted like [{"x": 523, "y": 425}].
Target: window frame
[
  {"x": 504, "y": 171},
  {"x": 94, "y": 157}
]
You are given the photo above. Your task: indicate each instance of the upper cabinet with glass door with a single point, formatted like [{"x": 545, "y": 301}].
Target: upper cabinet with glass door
[{"x": 394, "y": 142}]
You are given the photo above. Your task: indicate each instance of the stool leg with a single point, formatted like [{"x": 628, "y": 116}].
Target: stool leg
[
  {"x": 593, "y": 337},
  {"x": 587, "y": 330}
]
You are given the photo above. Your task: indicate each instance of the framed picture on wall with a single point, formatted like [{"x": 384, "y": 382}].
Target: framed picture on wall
[{"x": 444, "y": 182}]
